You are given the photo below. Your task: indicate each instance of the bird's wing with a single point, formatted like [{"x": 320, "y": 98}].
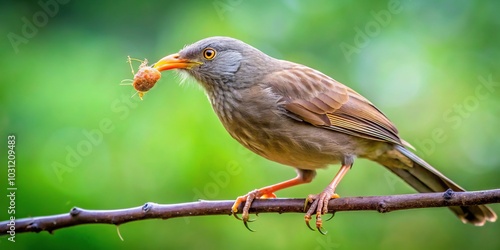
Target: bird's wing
[{"x": 310, "y": 96}]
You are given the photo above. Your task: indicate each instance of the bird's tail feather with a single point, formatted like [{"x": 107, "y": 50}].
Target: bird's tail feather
[{"x": 424, "y": 178}]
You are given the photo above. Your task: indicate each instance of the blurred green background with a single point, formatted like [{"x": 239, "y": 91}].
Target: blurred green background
[{"x": 420, "y": 62}]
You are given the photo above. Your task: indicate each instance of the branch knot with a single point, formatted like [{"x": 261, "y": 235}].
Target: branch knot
[
  {"x": 75, "y": 211},
  {"x": 147, "y": 207},
  {"x": 382, "y": 207},
  {"x": 448, "y": 194}
]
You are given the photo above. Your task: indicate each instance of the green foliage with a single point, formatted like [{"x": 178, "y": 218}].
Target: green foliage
[{"x": 431, "y": 67}]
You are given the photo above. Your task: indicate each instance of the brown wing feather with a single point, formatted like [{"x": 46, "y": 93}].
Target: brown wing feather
[{"x": 324, "y": 102}]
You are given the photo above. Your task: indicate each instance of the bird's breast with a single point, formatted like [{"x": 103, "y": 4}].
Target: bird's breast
[
  {"x": 254, "y": 118},
  {"x": 247, "y": 115}
]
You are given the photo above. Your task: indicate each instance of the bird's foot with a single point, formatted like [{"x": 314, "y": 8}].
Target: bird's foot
[
  {"x": 248, "y": 199},
  {"x": 319, "y": 205}
]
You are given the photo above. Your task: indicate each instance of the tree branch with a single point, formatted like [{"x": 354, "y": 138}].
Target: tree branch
[{"x": 382, "y": 204}]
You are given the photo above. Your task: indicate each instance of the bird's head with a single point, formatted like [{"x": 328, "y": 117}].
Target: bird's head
[{"x": 217, "y": 62}]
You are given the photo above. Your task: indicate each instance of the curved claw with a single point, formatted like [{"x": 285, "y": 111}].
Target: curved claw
[
  {"x": 321, "y": 232},
  {"x": 333, "y": 214},
  {"x": 311, "y": 210},
  {"x": 319, "y": 224},
  {"x": 248, "y": 199},
  {"x": 319, "y": 206},
  {"x": 236, "y": 216},
  {"x": 306, "y": 202},
  {"x": 249, "y": 220},
  {"x": 307, "y": 219},
  {"x": 246, "y": 225}
]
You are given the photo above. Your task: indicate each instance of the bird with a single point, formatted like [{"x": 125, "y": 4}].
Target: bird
[{"x": 297, "y": 116}]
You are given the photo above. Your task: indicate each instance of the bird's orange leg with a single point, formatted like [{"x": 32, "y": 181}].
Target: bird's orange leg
[
  {"x": 320, "y": 201},
  {"x": 264, "y": 193}
]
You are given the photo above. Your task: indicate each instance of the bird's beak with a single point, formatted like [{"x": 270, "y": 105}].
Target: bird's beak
[{"x": 174, "y": 61}]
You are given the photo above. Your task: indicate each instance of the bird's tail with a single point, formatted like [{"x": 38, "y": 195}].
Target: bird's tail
[{"x": 424, "y": 178}]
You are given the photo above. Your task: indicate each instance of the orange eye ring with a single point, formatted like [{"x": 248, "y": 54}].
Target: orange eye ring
[{"x": 209, "y": 53}]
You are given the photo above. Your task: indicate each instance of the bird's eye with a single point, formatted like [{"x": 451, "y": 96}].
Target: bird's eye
[{"x": 209, "y": 53}]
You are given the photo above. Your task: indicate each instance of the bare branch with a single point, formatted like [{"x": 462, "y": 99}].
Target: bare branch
[{"x": 382, "y": 204}]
